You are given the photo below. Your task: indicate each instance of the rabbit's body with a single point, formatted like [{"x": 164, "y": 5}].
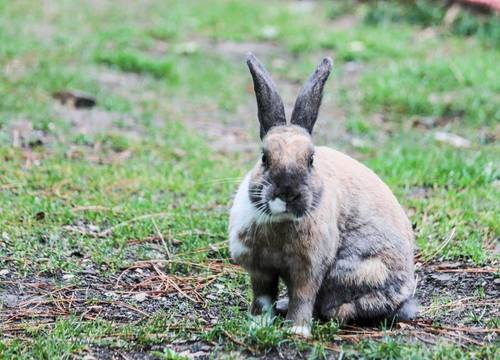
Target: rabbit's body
[{"x": 332, "y": 231}]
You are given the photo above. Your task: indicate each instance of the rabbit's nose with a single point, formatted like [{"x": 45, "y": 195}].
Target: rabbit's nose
[
  {"x": 287, "y": 194},
  {"x": 294, "y": 197}
]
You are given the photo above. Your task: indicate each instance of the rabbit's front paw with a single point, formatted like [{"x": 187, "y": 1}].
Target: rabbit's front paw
[{"x": 301, "y": 330}]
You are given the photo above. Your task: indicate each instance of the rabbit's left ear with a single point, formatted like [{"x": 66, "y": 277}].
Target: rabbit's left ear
[
  {"x": 271, "y": 111},
  {"x": 305, "y": 111}
]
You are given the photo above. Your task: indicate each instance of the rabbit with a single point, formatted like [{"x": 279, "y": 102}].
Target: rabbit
[{"x": 319, "y": 220}]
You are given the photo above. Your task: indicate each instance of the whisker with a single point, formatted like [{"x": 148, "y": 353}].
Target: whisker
[
  {"x": 262, "y": 208},
  {"x": 225, "y": 180}
]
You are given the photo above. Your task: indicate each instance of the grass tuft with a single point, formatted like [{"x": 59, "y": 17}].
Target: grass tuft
[{"x": 135, "y": 62}]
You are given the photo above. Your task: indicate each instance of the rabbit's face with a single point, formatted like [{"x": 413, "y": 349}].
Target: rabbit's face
[{"x": 284, "y": 185}]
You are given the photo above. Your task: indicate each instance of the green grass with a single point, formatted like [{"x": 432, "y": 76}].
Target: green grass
[
  {"x": 133, "y": 62},
  {"x": 366, "y": 43},
  {"x": 427, "y": 13},
  {"x": 153, "y": 180},
  {"x": 389, "y": 348},
  {"x": 462, "y": 194},
  {"x": 455, "y": 84},
  {"x": 97, "y": 194}
]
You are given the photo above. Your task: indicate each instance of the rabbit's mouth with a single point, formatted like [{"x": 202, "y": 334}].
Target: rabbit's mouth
[
  {"x": 277, "y": 206},
  {"x": 275, "y": 217},
  {"x": 284, "y": 210}
]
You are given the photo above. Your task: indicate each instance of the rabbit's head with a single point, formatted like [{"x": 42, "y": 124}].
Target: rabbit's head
[{"x": 284, "y": 184}]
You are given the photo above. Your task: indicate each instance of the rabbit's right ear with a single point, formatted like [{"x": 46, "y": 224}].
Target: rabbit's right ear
[
  {"x": 271, "y": 111},
  {"x": 305, "y": 111}
]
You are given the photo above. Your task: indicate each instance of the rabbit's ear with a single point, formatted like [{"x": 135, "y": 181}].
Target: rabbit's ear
[
  {"x": 271, "y": 111},
  {"x": 305, "y": 111}
]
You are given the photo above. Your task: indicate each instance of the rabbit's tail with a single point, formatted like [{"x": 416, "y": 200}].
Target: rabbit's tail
[
  {"x": 282, "y": 306},
  {"x": 408, "y": 310}
]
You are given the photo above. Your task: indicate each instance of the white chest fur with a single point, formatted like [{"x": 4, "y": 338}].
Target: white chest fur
[{"x": 242, "y": 215}]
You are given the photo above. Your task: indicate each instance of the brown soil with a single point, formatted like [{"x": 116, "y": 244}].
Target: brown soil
[{"x": 458, "y": 303}]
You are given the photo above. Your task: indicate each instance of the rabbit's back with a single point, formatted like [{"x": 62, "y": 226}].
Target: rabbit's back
[
  {"x": 360, "y": 195},
  {"x": 372, "y": 272}
]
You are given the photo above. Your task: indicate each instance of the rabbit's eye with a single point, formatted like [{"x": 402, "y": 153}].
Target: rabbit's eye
[
  {"x": 310, "y": 161},
  {"x": 265, "y": 161}
]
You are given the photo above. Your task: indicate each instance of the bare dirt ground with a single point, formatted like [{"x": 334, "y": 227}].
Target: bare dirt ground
[{"x": 447, "y": 293}]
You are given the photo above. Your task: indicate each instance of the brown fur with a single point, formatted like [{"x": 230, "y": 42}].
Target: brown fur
[
  {"x": 300, "y": 252},
  {"x": 319, "y": 220}
]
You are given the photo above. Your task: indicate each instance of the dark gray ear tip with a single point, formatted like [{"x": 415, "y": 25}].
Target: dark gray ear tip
[
  {"x": 305, "y": 111},
  {"x": 251, "y": 60},
  {"x": 328, "y": 62},
  {"x": 326, "y": 65},
  {"x": 271, "y": 111}
]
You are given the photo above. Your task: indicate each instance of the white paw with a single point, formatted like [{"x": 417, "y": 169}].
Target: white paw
[{"x": 304, "y": 331}]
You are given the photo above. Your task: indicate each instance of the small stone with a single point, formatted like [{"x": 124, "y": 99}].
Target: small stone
[
  {"x": 9, "y": 300},
  {"x": 4, "y": 272},
  {"x": 140, "y": 297},
  {"x": 74, "y": 98},
  {"x": 442, "y": 277},
  {"x": 452, "y": 139},
  {"x": 68, "y": 276}
]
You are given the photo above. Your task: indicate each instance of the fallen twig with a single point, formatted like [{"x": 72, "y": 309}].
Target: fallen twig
[
  {"x": 428, "y": 258},
  {"x": 165, "y": 246},
  {"x": 469, "y": 270},
  {"x": 239, "y": 342},
  {"x": 142, "y": 217},
  {"x": 464, "y": 302}
]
